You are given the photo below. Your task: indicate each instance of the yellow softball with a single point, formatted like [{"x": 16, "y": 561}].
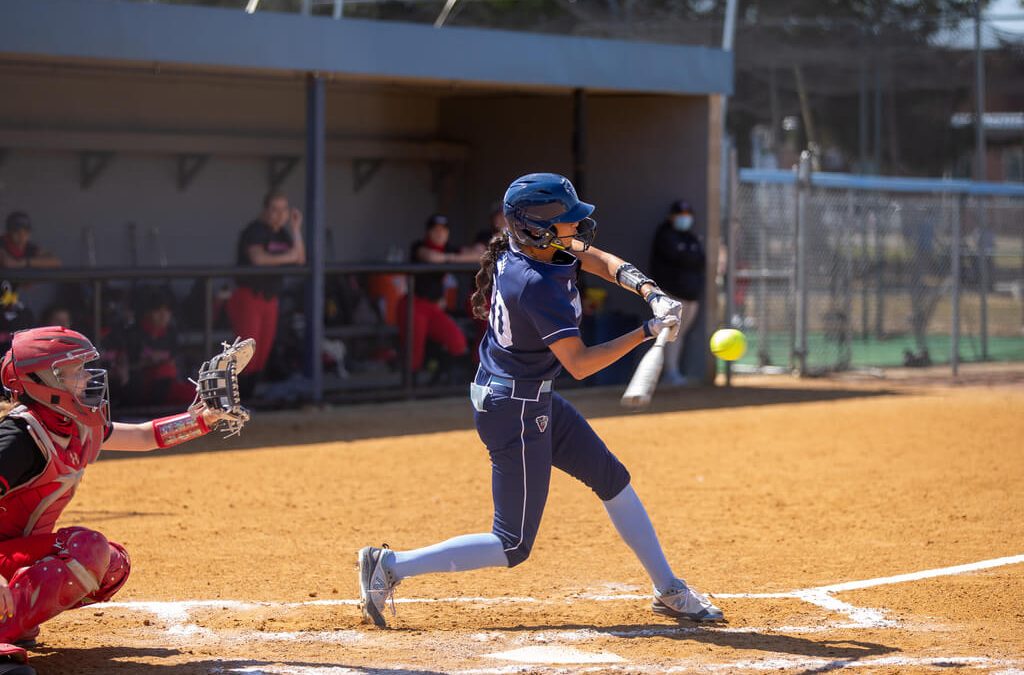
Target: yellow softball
[{"x": 728, "y": 344}]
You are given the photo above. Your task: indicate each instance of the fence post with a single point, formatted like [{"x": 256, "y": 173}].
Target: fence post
[
  {"x": 983, "y": 275},
  {"x": 207, "y": 315},
  {"x": 763, "y": 355},
  {"x": 865, "y": 269},
  {"x": 315, "y": 212},
  {"x": 847, "y": 242},
  {"x": 880, "y": 275},
  {"x": 408, "y": 374},
  {"x": 731, "y": 247},
  {"x": 97, "y": 312},
  {"x": 803, "y": 188},
  {"x": 954, "y": 356}
]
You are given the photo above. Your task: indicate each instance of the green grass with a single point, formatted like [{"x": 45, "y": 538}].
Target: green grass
[{"x": 884, "y": 353}]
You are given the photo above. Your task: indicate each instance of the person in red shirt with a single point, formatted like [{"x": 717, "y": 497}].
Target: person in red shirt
[{"x": 430, "y": 320}]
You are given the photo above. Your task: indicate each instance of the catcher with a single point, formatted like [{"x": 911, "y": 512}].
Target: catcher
[{"x": 57, "y": 426}]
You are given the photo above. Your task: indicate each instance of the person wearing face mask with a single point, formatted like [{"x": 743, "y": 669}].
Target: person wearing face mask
[{"x": 677, "y": 262}]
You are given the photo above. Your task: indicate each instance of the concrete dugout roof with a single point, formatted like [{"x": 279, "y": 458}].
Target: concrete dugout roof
[{"x": 190, "y": 36}]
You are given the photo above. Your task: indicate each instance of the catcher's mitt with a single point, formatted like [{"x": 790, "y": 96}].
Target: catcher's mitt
[{"x": 217, "y": 388}]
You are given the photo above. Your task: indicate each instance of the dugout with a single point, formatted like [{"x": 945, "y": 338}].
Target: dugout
[{"x": 177, "y": 119}]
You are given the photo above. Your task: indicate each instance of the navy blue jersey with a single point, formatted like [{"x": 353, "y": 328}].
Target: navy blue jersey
[{"x": 533, "y": 304}]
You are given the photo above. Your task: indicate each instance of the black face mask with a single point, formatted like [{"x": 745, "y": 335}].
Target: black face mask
[{"x": 586, "y": 231}]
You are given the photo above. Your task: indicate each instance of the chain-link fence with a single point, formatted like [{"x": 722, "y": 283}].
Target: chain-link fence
[{"x": 831, "y": 272}]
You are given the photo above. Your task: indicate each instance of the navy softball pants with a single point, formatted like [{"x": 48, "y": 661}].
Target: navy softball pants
[{"x": 526, "y": 433}]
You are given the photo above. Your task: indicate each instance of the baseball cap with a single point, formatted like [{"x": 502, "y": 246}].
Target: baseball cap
[
  {"x": 18, "y": 220},
  {"x": 681, "y": 206},
  {"x": 436, "y": 219}
]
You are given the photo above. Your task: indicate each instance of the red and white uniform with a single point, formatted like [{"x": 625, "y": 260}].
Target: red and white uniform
[
  {"x": 48, "y": 571},
  {"x": 45, "y": 445},
  {"x": 34, "y": 507}
]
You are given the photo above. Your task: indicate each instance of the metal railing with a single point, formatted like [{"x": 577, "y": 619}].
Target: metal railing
[{"x": 96, "y": 278}]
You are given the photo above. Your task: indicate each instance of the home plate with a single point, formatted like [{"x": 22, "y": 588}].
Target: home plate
[{"x": 555, "y": 655}]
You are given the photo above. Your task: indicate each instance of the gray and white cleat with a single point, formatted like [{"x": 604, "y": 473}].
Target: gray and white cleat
[
  {"x": 376, "y": 585},
  {"x": 683, "y": 602}
]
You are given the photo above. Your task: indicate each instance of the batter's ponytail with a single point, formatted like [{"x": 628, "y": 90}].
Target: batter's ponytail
[{"x": 485, "y": 277}]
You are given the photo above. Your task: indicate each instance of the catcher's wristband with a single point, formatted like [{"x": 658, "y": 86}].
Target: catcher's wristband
[
  {"x": 177, "y": 429},
  {"x": 630, "y": 278}
]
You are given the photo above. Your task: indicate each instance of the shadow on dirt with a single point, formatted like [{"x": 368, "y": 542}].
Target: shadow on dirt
[
  {"x": 400, "y": 418},
  {"x": 98, "y": 516},
  {"x": 123, "y": 661},
  {"x": 842, "y": 651}
]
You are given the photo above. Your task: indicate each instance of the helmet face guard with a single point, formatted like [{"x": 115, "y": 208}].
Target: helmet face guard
[
  {"x": 92, "y": 395},
  {"x": 534, "y": 204},
  {"x": 586, "y": 232}
]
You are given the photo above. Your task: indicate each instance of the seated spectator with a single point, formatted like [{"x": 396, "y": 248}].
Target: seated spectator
[
  {"x": 57, "y": 315},
  {"x": 152, "y": 351},
  {"x": 497, "y": 225},
  {"x": 116, "y": 326},
  {"x": 18, "y": 249},
  {"x": 430, "y": 321}
]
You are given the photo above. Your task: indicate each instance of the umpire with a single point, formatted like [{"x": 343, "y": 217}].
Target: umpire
[{"x": 678, "y": 262}]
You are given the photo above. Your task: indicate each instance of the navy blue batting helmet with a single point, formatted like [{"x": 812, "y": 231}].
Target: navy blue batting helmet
[{"x": 536, "y": 202}]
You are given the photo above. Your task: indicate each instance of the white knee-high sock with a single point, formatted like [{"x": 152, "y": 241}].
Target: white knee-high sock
[
  {"x": 465, "y": 552},
  {"x": 630, "y": 519}
]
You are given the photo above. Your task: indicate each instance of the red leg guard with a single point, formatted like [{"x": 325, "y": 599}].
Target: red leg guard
[
  {"x": 57, "y": 582},
  {"x": 115, "y": 577},
  {"x": 87, "y": 547}
]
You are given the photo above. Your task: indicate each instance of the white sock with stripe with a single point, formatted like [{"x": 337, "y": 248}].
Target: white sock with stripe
[
  {"x": 465, "y": 552},
  {"x": 634, "y": 526}
]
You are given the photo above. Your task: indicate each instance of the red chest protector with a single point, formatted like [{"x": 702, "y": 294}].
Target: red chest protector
[{"x": 34, "y": 507}]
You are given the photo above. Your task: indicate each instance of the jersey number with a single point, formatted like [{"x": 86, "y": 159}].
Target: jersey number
[{"x": 499, "y": 320}]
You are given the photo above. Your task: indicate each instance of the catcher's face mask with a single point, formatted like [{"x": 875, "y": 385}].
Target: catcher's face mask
[{"x": 87, "y": 386}]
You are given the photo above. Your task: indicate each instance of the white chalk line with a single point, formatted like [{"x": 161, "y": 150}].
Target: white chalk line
[
  {"x": 605, "y": 663},
  {"x": 802, "y": 663},
  {"x": 178, "y": 613}
]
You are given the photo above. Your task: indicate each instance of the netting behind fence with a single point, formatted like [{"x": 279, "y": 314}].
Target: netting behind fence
[{"x": 884, "y": 282}]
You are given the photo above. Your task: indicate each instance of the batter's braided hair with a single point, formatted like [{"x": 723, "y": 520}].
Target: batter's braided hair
[{"x": 485, "y": 277}]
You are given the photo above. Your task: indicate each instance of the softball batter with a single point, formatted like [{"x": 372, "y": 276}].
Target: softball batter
[{"x": 529, "y": 276}]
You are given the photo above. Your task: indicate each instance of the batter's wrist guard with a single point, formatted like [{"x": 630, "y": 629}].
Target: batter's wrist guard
[
  {"x": 630, "y": 278},
  {"x": 178, "y": 429}
]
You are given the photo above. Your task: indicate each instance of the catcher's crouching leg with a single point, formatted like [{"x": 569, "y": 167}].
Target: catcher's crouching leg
[
  {"x": 78, "y": 569},
  {"x": 114, "y": 578}
]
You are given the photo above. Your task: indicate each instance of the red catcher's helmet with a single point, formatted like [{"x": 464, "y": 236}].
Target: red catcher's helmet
[{"x": 48, "y": 365}]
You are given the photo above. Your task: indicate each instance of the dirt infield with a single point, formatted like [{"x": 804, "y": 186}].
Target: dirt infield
[{"x": 775, "y": 496}]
